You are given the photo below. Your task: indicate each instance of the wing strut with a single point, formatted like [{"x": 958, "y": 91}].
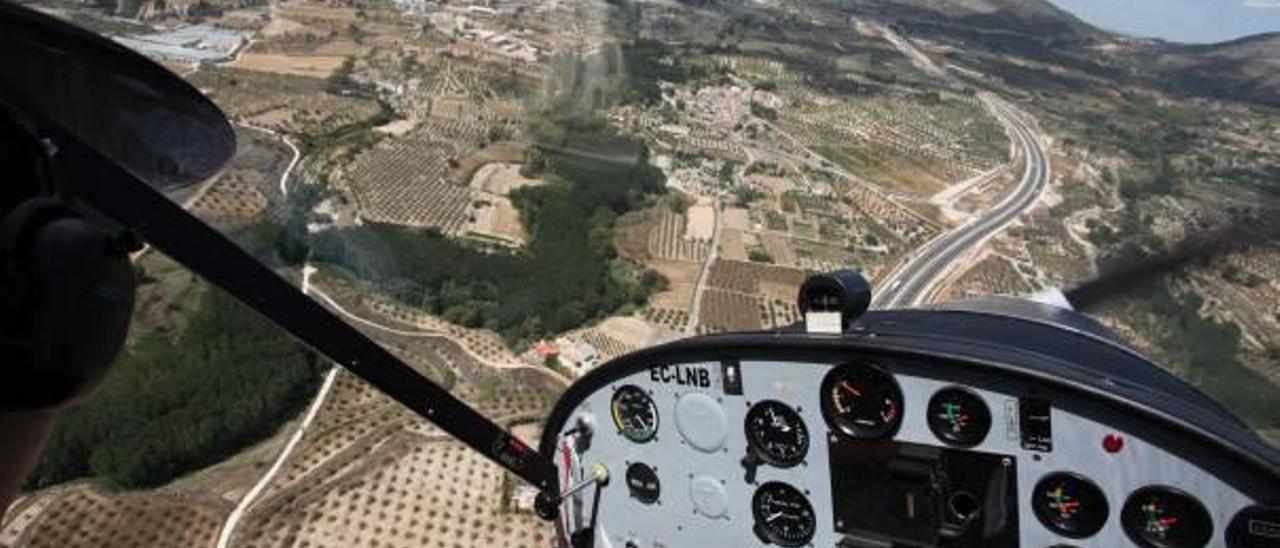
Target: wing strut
[{"x": 111, "y": 190}]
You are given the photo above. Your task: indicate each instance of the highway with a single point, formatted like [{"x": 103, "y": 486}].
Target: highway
[{"x": 910, "y": 284}]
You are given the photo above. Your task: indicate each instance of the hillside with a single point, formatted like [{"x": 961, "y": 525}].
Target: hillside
[
  {"x": 1037, "y": 18},
  {"x": 1246, "y": 69},
  {"x": 1026, "y": 10}
]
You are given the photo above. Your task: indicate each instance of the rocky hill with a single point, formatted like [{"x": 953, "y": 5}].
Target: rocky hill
[
  {"x": 1247, "y": 69},
  {"x": 1025, "y": 17}
]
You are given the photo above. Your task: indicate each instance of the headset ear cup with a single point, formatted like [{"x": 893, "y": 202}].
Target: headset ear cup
[
  {"x": 24, "y": 218},
  {"x": 75, "y": 314},
  {"x": 15, "y": 229}
]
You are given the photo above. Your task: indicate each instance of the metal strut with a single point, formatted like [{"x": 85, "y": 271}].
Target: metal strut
[{"x": 108, "y": 188}]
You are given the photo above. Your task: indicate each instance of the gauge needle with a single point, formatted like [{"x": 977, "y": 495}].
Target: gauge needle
[
  {"x": 773, "y": 516},
  {"x": 850, "y": 389},
  {"x": 777, "y": 421}
]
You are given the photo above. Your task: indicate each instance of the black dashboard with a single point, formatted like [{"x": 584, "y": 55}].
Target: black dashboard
[{"x": 915, "y": 428}]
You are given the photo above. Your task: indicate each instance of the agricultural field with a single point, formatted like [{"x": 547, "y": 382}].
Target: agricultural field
[
  {"x": 366, "y": 301},
  {"x": 282, "y": 102},
  {"x": 670, "y": 308},
  {"x": 769, "y": 282},
  {"x": 371, "y": 472},
  {"x": 990, "y": 275},
  {"x": 415, "y": 491},
  {"x": 670, "y": 239},
  {"x": 83, "y": 516},
  {"x": 748, "y": 296},
  {"x": 494, "y": 217},
  {"x": 916, "y": 143},
  {"x": 582, "y": 349},
  {"x": 402, "y": 180},
  {"x": 249, "y": 187},
  {"x": 748, "y": 162},
  {"x": 315, "y": 66}
]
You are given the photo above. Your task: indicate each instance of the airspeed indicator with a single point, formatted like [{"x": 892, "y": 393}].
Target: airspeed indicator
[{"x": 634, "y": 413}]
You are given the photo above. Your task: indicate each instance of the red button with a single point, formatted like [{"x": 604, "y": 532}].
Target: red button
[{"x": 1112, "y": 443}]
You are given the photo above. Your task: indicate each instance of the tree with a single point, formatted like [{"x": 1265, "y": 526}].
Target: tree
[
  {"x": 764, "y": 112},
  {"x": 534, "y": 162},
  {"x": 746, "y": 194},
  {"x": 340, "y": 81},
  {"x": 654, "y": 281},
  {"x": 565, "y": 276},
  {"x": 727, "y": 170},
  {"x": 172, "y": 405}
]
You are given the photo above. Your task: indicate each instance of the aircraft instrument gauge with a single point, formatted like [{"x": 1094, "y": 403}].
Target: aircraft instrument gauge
[
  {"x": 642, "y": 482},
  {"x": 862, "y": 401},
  {"x": 634, "y": 413},
  {"x": 1163, "y": 517},
  {"x": 959, "y": 417},
  {"x": 1070, "y": 505},
  {"x": 783, "y": 515},
  {"x": 777, "y": 434}
]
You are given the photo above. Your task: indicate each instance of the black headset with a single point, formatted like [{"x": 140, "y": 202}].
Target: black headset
[{"x": 66, "y": 280}]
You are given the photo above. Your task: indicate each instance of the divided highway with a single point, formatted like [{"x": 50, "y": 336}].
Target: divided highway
[{"x": 911, "y": 283}]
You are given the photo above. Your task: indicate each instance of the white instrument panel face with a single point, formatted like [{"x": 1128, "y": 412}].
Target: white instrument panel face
[{"x": 696, "y": 440}]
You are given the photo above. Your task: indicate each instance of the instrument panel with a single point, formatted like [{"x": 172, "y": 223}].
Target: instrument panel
[{"x": 876, "y": 451}]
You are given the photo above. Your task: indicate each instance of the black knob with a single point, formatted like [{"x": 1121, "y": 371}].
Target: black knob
[
  {"x": 546, "y": 505},
  {"x": 750, "y": 463}
]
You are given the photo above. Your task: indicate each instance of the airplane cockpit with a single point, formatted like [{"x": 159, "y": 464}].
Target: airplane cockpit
[{"x": 999, "y": 422}]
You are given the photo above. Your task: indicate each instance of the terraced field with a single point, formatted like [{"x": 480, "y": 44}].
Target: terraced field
[
  {"x": 83, "y": 516},
  {"x": 903, "y": 224},
  {"x": 728, "y": 311},
  {"x": 249, "y": 187},
  {"x": 902, "y": 143},
  {"x": 772, "y": 282},
  {"x": 415, "y": 491},
  {"x": 402, "y": 180},
  {"x": 289, "y": 103},
  {"x": 371, "y": 473},
  {"x": 667, "y": 239}
]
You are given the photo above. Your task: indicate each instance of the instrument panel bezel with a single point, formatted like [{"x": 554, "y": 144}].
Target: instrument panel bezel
[{"x": 961, "y": 361}]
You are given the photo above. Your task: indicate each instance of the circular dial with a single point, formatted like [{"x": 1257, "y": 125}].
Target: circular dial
[
  {"x": 783, "y": 515},
  {"x": 1069, "y": 504},
  {"x": 777, "y": 434},
  {"x": 1163, "y": 517},
  {"x": 1248, "y": 529},
  {"x": 862, "y": 401},
  {"x": 642, "y": 482},
  {"x": 959, "y": 417},
  {"x": 634, "y": 414}
]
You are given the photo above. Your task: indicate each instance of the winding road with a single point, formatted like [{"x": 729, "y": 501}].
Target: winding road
[
  {"x": 911, "y": 283},
  {"x": 242, "y": 506}
]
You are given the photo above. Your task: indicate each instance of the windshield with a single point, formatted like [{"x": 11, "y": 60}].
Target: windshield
[{"x": 506, "y": 194}]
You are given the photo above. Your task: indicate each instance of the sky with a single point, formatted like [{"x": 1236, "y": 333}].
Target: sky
[{"x": 1192, "y": 21}]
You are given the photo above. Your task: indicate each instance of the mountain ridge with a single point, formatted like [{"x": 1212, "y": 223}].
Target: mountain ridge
[
  {"x": 1029, "y": 16},
  {"x": 1243, "y": 69}
]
